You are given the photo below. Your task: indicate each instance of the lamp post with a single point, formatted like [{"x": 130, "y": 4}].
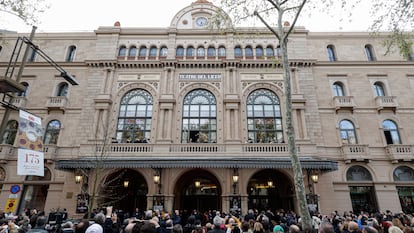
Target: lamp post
[
  {"x": 313, "y": 178},
  {"x": 235, "y": 179}
]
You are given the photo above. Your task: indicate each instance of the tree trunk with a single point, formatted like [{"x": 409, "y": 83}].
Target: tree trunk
[{"x": 296, "y": 166}]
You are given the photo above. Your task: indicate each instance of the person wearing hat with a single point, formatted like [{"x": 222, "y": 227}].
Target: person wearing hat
[{"x": 278, "y": 229}]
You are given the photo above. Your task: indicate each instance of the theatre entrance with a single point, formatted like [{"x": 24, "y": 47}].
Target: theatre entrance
[
  {"x": 125, "y": 190},
  {"x": 270, "y": 189},
  {"x": 197, "y": 190}
]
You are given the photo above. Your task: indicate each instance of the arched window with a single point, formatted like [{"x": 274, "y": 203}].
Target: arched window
[
  {"x": 238, "y": 52},
  {"x": 199, "y": 118},
  {"x": 264, "y": 117},
  {"x": 132, "y": 51},
  {"x": 211, "y": 52},
  {"x": 331, "y": 52},
  {"x": 358, "y": 173},
  {"x": 52, "y": 132},
  {"x": 153, "y": 52},
  {"x": 221, "y": 51},
  {"x": 403, "y": 173},
  {"x": 122, "y": 51},
  {"x": 200, "y": 51},
  {"x": 379, "y": 89},
  {"x": 391, "y": 133},
  {"x": 135, "y": 117},
  {"x": 338, "y": 89},
  {"x": 369, "y": 51},
  {"x": 347, "y": 131},
  {"x": 9, "y": 134},
  {"x": 249, "y": 51},
  {"x": 270, "y": 52},
  {"x": 142, "y": 52},
  {"x": 62, "y": 89},
  {"x": 70, "y": 56},
  {"x": 26, "y": 90},
  {"x": 179, "y": 52},
  {"x": 190, "y": 52},
  {"x": 163, "y": 52},
  {"x": 259, "y": 52}
]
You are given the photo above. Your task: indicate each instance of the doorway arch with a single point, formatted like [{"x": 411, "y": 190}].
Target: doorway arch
[
  {"x": 199, "y": 190},
  {"x": 125, "y": 190},
  {"x": 270, "y": 189}
]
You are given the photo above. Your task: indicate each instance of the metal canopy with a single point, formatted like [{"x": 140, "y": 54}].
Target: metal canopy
[{"x": 210, "y": 162}]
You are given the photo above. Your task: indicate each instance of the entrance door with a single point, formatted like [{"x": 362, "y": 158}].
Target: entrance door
[
  {"x": 197, "y": 190},
  {"x": 125, "y": 190},
  {"x": 363, "y": 199},
  {"x": 270, "y": 189}
]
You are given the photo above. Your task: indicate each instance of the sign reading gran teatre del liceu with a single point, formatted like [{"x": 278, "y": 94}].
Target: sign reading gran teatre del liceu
[{"x": 214, "y": 77}]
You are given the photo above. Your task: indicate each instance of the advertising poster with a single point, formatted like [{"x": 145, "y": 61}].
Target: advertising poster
[{"x": 30, "y": 160}]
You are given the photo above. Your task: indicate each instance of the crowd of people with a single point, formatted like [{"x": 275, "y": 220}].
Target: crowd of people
[{"x": 113, "y": 221}]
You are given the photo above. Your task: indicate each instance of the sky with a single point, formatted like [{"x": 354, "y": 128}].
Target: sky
[{"x": 88, "y": 15}]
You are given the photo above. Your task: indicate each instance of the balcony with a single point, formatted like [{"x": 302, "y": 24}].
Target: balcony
[
  {"x": 57, "y": 103},
  {"x": 400, "y": 152},
  {"x": 355, "y": 152},
  {"x": 247, "y": 150},
  {"x": 344, "y": 103},
  {"x": 386, "y": 102},
  {"x": 19, "y": 101}
]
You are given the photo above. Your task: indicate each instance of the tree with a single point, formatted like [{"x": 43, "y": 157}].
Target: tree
[
  {"x": 277, "y": 10},
  {"x": 26, "y": 10}
]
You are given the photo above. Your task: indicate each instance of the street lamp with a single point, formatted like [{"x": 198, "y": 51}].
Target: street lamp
[
  {"x": 235, "y": 179},
  {"x": 157, "y": 179},
  {"x": 270, "y": 183},
  {"x": 126, "y": 183},
  {"x": 78, "y": 178},
  {"x": 197, "y": 183}
]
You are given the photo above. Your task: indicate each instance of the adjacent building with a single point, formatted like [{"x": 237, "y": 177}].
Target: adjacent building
[{"x": 187, "y": 117}]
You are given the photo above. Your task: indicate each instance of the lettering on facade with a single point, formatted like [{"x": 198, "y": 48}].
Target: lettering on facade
[{"x": 214, "y": 77}]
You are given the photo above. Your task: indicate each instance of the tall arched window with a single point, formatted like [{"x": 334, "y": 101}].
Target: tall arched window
[
  {"x": 338, "y": 89},
  {"x": 135, "y": 117},
  {"x": 363, "y": 196},
  {"x": 26, "y": 90},
  {"x": 391, "y": 133},
  {"x": 270, "y": 52},
  {"x": 153, "y": 52},
  {"x": 347, "y": 131},
  {"x": 163, "y": 52},
  {"x": 200, "y": 51},
  {"x": 331, "y": 52},
  {"x": 190, "y": 52},
  {"x": 122, "y": 51},
  {"x": 142, "y": 52},
  {"x": 211, "y": 51},
  {"x": 264, "y": 117},
  {"x": 379, "y": 89},
  {"x": 238, "y": 52},
  {"x": 132, "y": 51},
  {"x": 62, "y": 89},
  {"x": 199, "y": 117},
  {"x": 10, "y": 132},
  {"x": 221, "y": 51},
  {"x": 52, "y": 132},
  {"x": 179, "y": 52},
  {"x": 404, "y": 177},
  {"x": 249, "y": 51},
  {"x": 259, "y": 52},
  {"x": 369, "y": 52},
  {"x": 70, "y": 56}
]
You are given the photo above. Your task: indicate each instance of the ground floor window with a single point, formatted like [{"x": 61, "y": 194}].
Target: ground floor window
[
  {"x": 33, "y": 197},
  {"x": 363, "y": 199},
  {"x": 406, "y": 196}
]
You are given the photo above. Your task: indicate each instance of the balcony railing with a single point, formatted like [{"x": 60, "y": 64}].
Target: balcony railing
[
  {"x": 344, "y": 102},
  {"x": 19, "y": 101},
  {"x": 400, "y": 152},
  {"x": 355, "y": 152},
  {"x": 386, "y": 102},
  {"x": 57, "y": 103}
]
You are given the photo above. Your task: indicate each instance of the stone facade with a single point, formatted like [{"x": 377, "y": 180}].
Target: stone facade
[{"x": 89, "y": 114}]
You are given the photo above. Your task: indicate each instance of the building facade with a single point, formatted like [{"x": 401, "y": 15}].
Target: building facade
[{"x": 187, "y": 117}]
